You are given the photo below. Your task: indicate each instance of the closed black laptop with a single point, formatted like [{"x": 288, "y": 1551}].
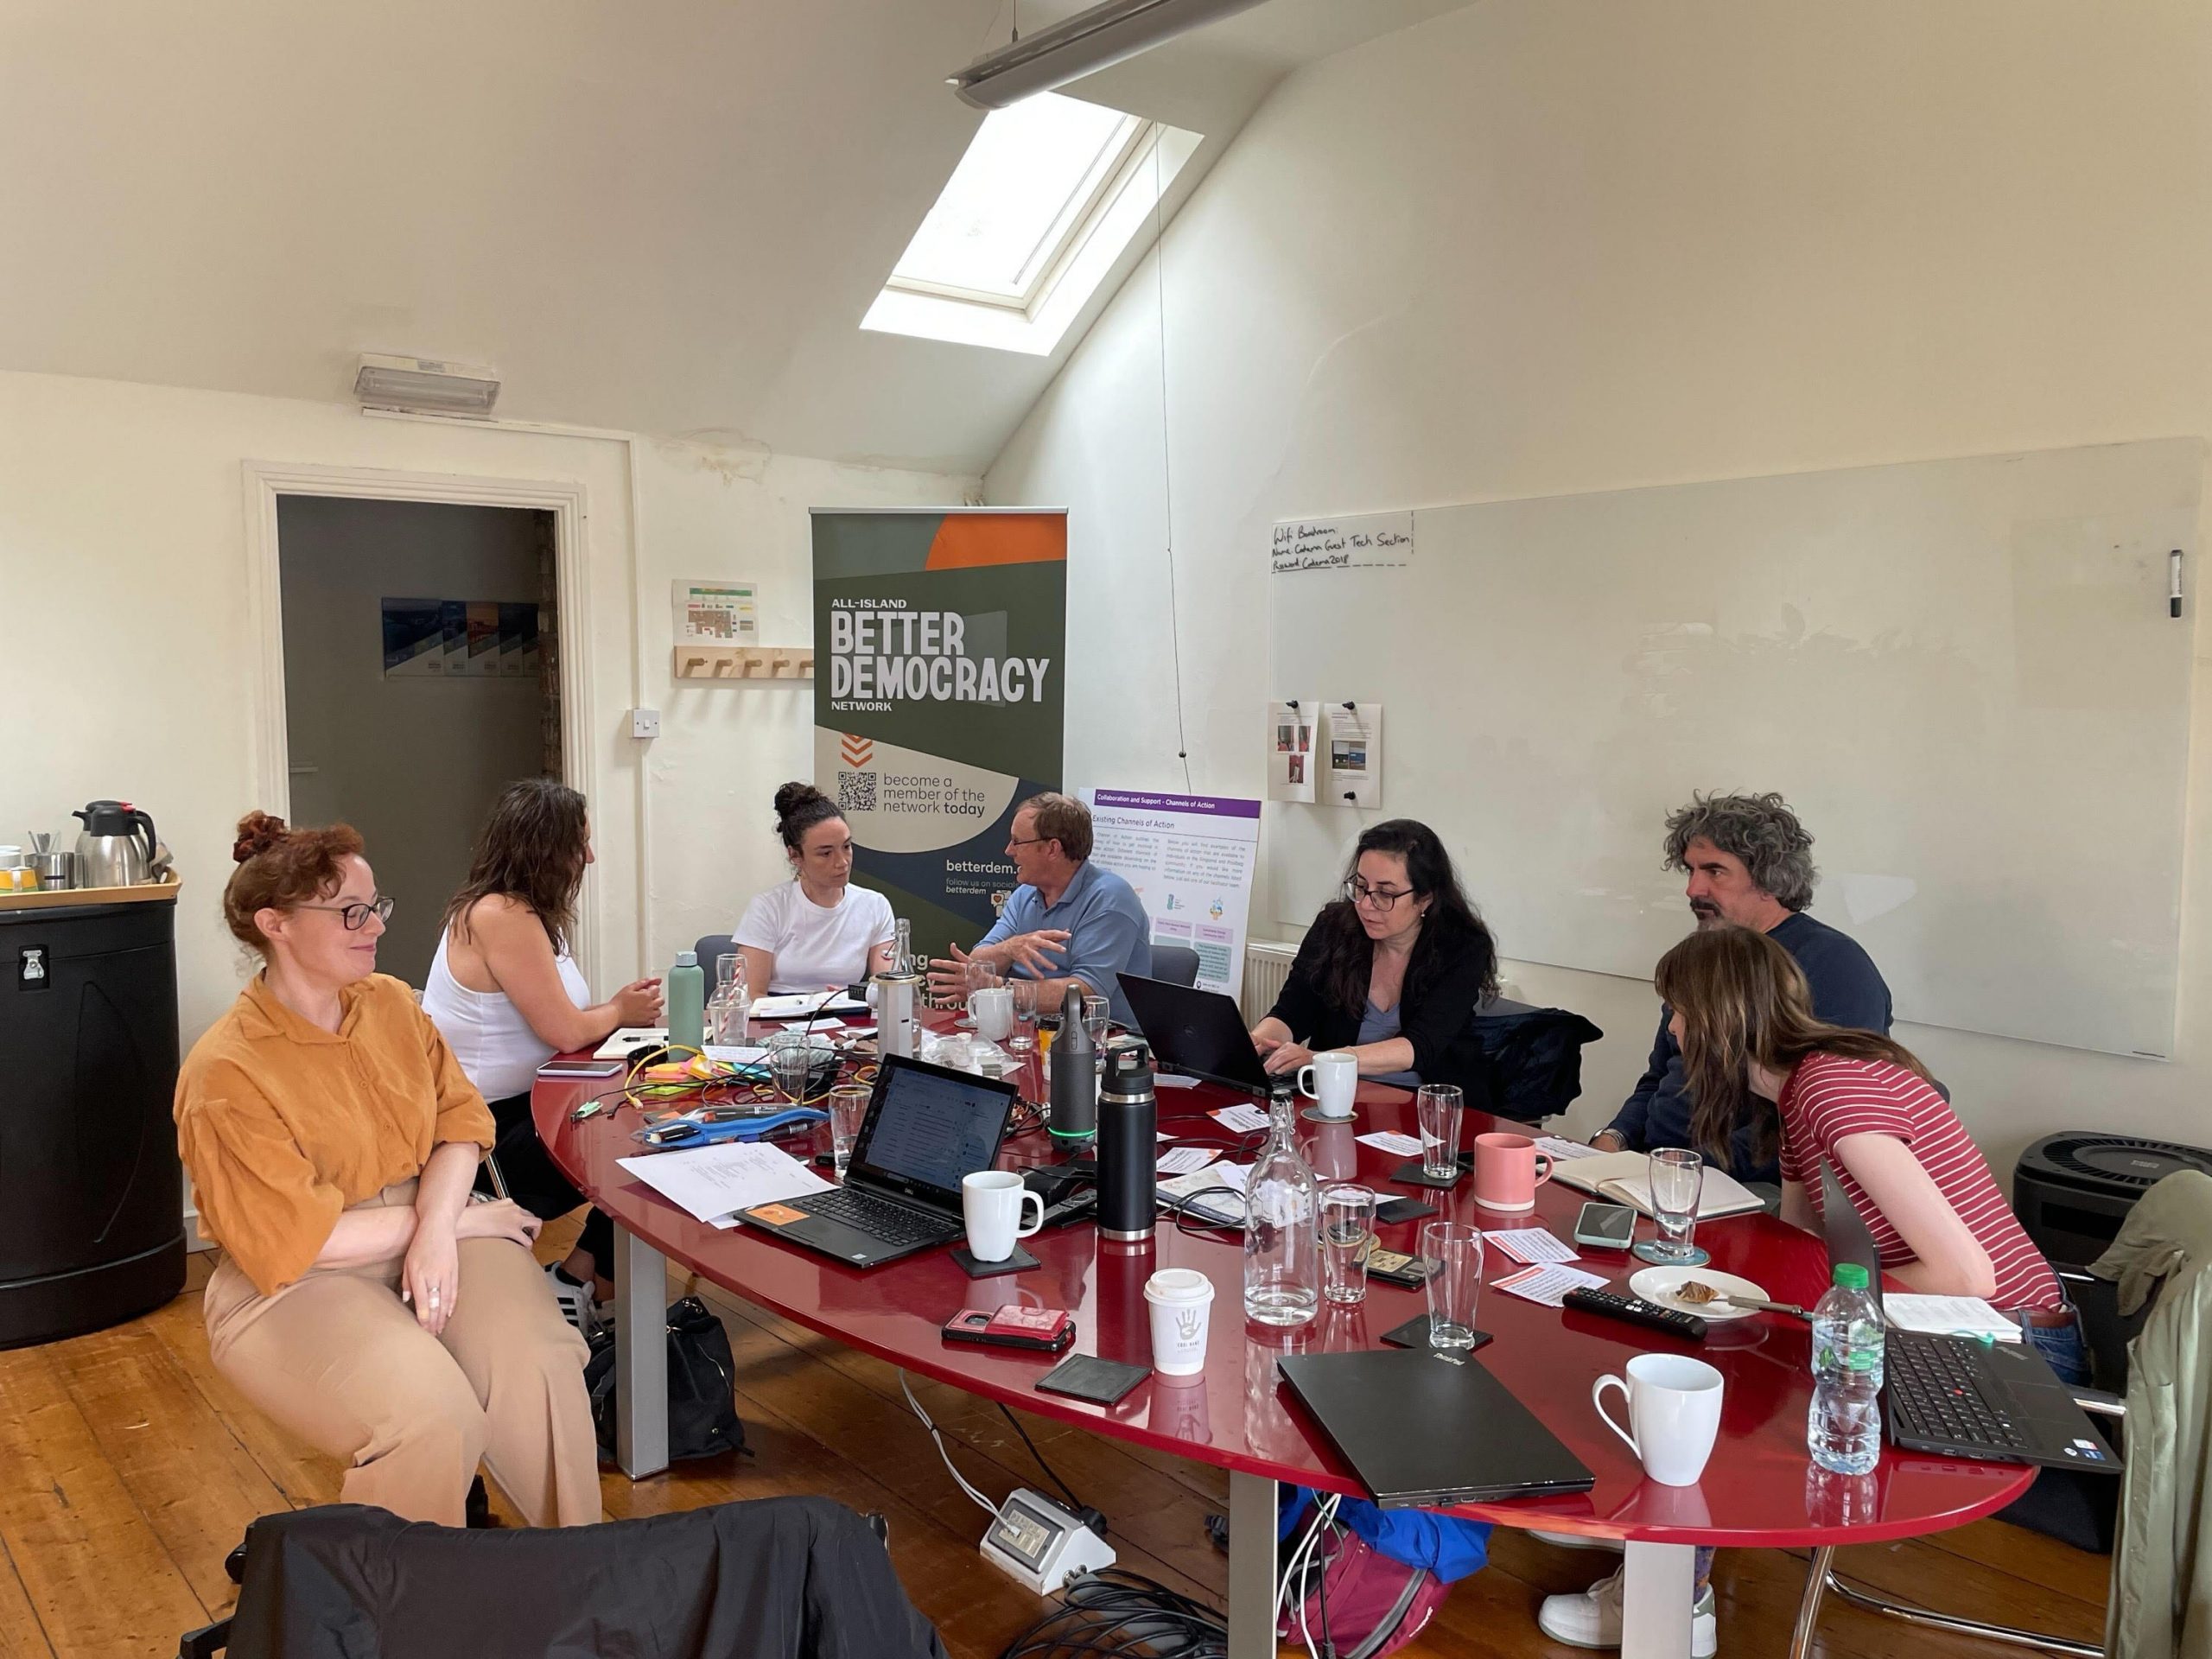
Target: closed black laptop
[
  {"x": 1422, "y": 1426},
  {"x": 1959, "y": 1396},
  {"x": 926, "y": 1128},
  {"x": 1199, "y": 1033}
]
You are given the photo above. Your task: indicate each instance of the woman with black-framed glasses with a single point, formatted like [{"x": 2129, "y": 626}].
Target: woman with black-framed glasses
[{"x": 1392, "y": 971}]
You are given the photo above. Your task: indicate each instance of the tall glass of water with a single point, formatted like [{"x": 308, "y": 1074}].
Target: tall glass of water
[
  {"x": 1347, "y": 1231},
  {"x": 1677, "y": 1179},
  {"x": 1453, "y": 1253},
  {"x": 730, "y": 1002},
  {"x": 1438, "y": 1106},
  {"x": 1023, "y": 1037}
]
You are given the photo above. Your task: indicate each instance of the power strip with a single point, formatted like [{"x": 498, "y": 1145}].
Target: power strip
[{"x": 1042, "y": 1544}]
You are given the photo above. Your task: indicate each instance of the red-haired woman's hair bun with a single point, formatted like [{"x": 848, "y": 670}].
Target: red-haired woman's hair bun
[{"x": 257, "y": 833}]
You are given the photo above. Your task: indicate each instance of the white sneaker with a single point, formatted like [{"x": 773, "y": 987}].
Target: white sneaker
[
  {"x": 575, "y": 1302},
  {"x": 1577, "y": 1540},
  {"x": 1593, "y": 1619}
]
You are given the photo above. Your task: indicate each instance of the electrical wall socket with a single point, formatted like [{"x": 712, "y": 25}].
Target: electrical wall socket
[{"x": 644, "y": 722}]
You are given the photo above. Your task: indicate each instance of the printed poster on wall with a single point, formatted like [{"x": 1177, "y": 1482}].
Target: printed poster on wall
[
  {"x": 1190, "y": 858},
  {"x": 940, "y": 636},
  {"x": 460, "y": 639},
  {"x": 1290, "y": 759}
]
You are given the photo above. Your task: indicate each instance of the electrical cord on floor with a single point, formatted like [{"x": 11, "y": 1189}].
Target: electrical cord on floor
[
  {"x": 1115, "y": 1612},
  {"x": 959, "y": 1480},
  {"x": 1095, "y": 1519},
  {"x": 1310, "y": 1554}
]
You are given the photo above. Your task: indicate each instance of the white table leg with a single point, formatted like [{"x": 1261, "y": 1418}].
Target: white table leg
[
  {"x": 1656, "y": 1590},
  {"x": 1251, "y": 1566},
  {"x": 640, "y": 1356}
]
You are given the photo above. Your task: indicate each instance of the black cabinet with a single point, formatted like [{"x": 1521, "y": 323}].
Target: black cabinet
[{"x": 92, "y": 1195}]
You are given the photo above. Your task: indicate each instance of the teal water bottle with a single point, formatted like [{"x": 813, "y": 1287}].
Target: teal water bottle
[{"x": 686, "y": 992}]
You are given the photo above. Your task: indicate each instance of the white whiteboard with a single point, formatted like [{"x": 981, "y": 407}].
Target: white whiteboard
[{"x": 1960, "y": 673}]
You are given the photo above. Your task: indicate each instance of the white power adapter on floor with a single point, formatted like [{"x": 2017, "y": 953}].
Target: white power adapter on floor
[{"x": 1042, "y": 1544}]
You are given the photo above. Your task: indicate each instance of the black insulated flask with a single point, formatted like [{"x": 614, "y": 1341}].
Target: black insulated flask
[{"x": 1128, "y": 1117}]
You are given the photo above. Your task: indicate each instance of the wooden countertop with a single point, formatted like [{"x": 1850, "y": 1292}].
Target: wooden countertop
[{"x": 147, "y": 893}]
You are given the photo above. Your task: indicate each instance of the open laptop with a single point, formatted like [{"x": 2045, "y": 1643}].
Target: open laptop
[
  {"x": 1422, "y": 1426},
  {"x": 1959, "y": 1396},
  {"x": 1199, "y": 1032},
  {"x": 926, "y": 1127}
]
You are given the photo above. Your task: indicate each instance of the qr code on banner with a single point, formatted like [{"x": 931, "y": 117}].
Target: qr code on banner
[{"x": 856, "y": 791}]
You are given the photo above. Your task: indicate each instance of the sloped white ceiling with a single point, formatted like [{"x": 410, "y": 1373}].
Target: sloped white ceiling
[{"x": 667, "y": 216}]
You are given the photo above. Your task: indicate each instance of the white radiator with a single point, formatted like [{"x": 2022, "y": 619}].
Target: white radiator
[{"x": 1266, "y": 964}]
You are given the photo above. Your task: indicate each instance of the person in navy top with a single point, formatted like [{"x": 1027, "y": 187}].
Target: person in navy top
[
  {"x": 1069, "y": 921},
  {"x": 1750, "y": 864}
]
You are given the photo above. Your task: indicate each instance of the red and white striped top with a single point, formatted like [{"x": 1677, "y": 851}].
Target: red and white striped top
[{"x": 1830, "y": 1096}]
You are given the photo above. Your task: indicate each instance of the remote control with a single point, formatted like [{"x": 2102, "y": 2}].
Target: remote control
[{"x": 1636, "y": 1311}]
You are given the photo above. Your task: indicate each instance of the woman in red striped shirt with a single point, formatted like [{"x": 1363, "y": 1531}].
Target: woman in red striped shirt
[{"x": 1744, "y": 1017}]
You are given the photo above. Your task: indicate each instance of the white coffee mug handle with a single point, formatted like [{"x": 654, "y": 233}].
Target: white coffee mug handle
[
  {"x": 1028, "y": 1199},
  {"x": 1305, "y": 1083},
  {"x": 1596, "y": 1400}
]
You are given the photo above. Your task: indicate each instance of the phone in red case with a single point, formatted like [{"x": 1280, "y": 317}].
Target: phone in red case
[{"x": 1043, "y": 1329}]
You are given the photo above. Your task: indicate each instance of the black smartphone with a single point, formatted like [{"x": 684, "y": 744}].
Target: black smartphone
[
  {"x": 580, "y": 1069},
  {"x": 1606, "y": 1226}
]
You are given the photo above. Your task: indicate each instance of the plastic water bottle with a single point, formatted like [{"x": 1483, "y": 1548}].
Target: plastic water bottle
[
  {"x": 1282, "y": 1218},
  {"x": 1844, "y": 1429},
  {"x": 686, "y": 992}
]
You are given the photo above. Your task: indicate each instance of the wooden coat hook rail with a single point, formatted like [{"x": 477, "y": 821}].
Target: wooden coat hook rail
[{"x": 745, "y": 664}]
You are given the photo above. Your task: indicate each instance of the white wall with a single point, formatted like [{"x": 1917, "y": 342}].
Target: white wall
[
  {"x": 1544, "y": 246},
  {"x": 130, "y": 670}
]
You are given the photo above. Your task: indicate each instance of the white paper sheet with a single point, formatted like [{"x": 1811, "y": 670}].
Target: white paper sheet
[
  {"x": 1558, "y": 1150},
  {"x": 1181, "y": 1161},
  {"x": 1404, "y": 1146},
  {"x": 728, "y": 1056},
  {"x": 713, "y": 1183},
  {"x": 1172, "y": 1080},
  {"x": 1948, "y": 1316},
  {"x": 1242, "y": 1119},
  {"x": 1550, "y": 1283},
  {"x": 1534, "y": 1245},
  {"x": 793, "y": 1005},
  {"x": 1217, "y": 1207}
]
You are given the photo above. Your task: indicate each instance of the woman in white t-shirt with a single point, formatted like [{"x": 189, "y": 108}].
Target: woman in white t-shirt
[
  {"x": 817, "y": 930},
  {"x": 507, "y": 996}
]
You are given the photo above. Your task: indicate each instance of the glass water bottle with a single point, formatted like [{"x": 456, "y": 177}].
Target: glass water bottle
[{"x": 1282, "y": 1243}]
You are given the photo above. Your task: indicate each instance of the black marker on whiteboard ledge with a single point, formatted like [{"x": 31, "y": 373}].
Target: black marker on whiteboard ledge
[{"x": 2173, "y": 583}]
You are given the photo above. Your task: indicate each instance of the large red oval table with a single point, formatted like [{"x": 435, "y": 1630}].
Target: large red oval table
[{"x": 1760, "y": 1489}]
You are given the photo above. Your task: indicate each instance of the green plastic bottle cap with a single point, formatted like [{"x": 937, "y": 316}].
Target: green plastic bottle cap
[{"x": 1851, "y": 1275}]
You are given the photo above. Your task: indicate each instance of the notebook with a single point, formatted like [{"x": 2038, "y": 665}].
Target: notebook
[{"x": 1621, "y": 1177}]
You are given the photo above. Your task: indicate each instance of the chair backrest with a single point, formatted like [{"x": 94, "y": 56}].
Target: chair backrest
[
  {"x": 1176, "y": 963},
  {"x": 713, "y": 945}
]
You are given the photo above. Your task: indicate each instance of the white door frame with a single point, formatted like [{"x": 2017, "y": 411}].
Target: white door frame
[{"x": 266, "y": 481}]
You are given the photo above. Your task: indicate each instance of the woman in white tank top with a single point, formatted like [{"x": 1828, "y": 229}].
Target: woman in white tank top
[{"x": 507, "y": 996}]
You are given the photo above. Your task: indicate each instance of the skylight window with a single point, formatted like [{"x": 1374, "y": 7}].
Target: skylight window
[{"x": 1051, "y": 192}]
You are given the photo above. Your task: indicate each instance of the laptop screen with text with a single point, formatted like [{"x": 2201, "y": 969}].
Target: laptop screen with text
[{"x": 928, "y": 1128}]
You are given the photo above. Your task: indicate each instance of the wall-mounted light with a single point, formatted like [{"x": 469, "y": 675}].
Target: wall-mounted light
[
  {"x": 1090, "y": 41},
  {"x": 423, "y": 385}
]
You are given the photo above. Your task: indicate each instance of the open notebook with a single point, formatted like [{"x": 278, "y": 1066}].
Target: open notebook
[{"x": 1621, "y": 1176}]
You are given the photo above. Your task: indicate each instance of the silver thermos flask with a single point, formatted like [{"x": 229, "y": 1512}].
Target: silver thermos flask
[
  {"x": 1129, "y": 1117},
  {"x": 1075, "y": 1073}
]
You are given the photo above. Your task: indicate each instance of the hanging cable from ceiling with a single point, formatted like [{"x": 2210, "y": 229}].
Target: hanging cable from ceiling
[{"x": 1167, "y": 456}]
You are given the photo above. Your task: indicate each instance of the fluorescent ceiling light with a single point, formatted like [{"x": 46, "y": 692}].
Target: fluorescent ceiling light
[
  {"x": 1090, "y": 41},
  {"x": 424, "y": 385}
]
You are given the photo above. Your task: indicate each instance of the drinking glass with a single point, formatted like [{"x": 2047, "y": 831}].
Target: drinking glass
[
  {"x": 1453, "y": 1252},
  {"x": 1347, "y": 1230},
  {"x": 731, "y": 1003},
  {"x": 1097, "y": 1015},
  {"x": 1024, "y": 1037},
  {"x": 1677, "y": 1179},
  {"x": 1439, "y": 1105},
  {"x": 791, "y": 1066},
  {"x": 975, "y": 977},
  {"x": 848, "y": 1106}
]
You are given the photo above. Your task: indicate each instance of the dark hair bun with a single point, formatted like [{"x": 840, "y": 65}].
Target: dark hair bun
[
  {"x": 795, "y": 796},
  {"x": 257, "y": 833}
]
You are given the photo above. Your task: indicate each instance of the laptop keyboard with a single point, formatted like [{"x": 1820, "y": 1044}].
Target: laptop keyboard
[
  {"x": 1935, "y": 1391},
  {"x": 894, "y": 1223}
]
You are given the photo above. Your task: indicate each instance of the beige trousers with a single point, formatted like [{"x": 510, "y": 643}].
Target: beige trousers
[{"x": 337, "y": 1359}]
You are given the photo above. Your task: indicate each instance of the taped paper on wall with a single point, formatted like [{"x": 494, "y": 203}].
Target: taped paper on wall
[
  {"x": 1290, "y": 748},
  {"x": 1355, "y": 754}
]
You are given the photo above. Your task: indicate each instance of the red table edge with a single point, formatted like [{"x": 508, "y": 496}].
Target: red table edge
[{"x": 1519, "y": 1513}]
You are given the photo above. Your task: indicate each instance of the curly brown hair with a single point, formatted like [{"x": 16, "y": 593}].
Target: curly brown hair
[
  {"x": 1761, "y": 831},
  {"x": 279, "y": 867},
  {"x": 531, "y": 849}
]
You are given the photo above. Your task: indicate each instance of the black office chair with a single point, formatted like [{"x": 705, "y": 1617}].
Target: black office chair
[
  {"x": 711, "y": 948},
  {"x": 1178, "y": 965}
]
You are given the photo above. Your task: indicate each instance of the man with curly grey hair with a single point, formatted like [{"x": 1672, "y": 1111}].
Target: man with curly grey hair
[{"x": 1750, "y": 863}]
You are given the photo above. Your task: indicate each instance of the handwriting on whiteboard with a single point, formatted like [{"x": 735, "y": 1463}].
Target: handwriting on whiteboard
[{"x": 1365, "y": 542}]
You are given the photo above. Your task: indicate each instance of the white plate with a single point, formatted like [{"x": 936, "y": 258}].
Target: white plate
[{"x": 1658, "y": 1285}]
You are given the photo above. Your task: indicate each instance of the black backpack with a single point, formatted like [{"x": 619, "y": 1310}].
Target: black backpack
[{"x": 702, "y": 1418}]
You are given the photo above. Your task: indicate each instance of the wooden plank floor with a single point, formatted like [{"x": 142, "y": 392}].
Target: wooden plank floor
[{"x": 129, "y": 1468}]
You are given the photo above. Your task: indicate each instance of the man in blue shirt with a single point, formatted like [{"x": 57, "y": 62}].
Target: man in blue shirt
[
  {"x": 1069, "y": 920},
  {"x": 1750, "y": 863}
]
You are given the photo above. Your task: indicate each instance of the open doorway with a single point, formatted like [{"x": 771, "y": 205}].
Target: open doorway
[{"x": 421, "y": 676}]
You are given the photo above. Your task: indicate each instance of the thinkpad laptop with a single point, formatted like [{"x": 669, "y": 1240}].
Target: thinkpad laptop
[
  {"x": 1199, "y": 1033},
  {"x": 1420, "y": 1425},
  {"x": 1959, "y": 1396},
  {"x": 927, "y": 1127}
]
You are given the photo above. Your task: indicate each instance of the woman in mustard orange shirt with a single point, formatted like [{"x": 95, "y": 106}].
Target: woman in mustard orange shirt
[{"x": 362, "y": 1301}]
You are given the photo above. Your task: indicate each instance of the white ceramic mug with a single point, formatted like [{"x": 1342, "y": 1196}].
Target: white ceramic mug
[
  {"x": 1330, "y": 1082},
  {"x": 1674, "y": 1413},
  {"x": 993, "y": 1200},
  {"x": 992, "y": 1009},
  {"x": 1181, "y": 1300}
]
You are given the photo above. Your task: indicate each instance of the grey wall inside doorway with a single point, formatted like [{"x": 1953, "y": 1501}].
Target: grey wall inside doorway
[{"x": 413, "y": 763}]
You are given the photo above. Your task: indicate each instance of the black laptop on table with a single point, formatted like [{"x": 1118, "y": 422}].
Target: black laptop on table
[
  {"x": 1199, "y": 1033},
  {"x": 1959, "y": 1396},
  {"x": 927, "y": 1127}
]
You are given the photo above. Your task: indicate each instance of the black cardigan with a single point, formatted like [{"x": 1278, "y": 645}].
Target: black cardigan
[{"x": 1439, "y": 1021}]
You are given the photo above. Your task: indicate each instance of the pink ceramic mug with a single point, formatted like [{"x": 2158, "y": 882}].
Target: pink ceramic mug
[{"x": 1506, "y": 1173}]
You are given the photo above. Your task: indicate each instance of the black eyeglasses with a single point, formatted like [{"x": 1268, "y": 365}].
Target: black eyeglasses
[
  {"x": 1381, "y": 897},
  {"x": 1032, "y": 841},
  {"x": 356, "y": 917}
]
